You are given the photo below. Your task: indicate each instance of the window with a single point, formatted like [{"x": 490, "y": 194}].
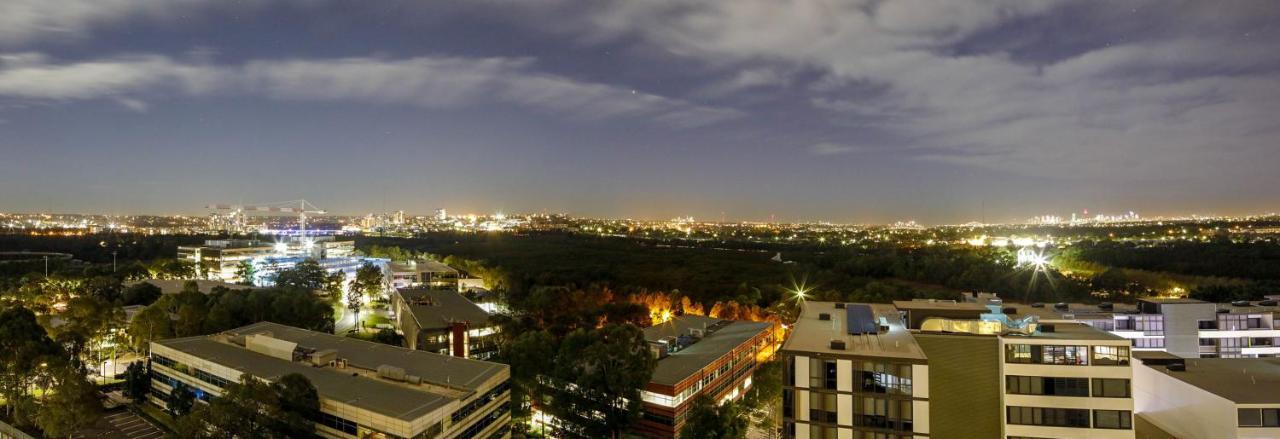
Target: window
[
  {"x": 1111, "y": 388},
  {"x": 788, "y": 403},
  {"x": 1207, "y": 342},
  {"x": 822, "y": 407},
  {"x": 1259, "y": 417},
  {"x": 893, "y": 414},
  {"x": 1024, "y": 385},
  {"x": 885, "y": 377},
  {"x": 1069, "y": 355},
  {"x": 1017, "y": 353},
  {"x": 822, "y": 374},
  {"x": 1047, "y": 354},
  {"x": 1110, "y": 355},
  {"x": 1148, "y": 343},
  {"x": 1052, "y": 417},
  {"x": 1113, "y": 419}
]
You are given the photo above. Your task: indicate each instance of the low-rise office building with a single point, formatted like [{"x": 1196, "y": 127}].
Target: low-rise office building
[
  {"x": 696, "y": 356},
  {"x": 426, "y": 273},
  {"x": 367, "y": 390},
  {"x": 220, "y": 259},
  {"x": 444, "y": 322},
  {"x": 1209, "y": 397}
]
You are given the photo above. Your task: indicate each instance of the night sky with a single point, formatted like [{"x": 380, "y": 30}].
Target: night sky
[{"x": 848, "y": 111}]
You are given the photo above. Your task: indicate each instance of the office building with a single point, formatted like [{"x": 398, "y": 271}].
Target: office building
[
  {"x": 1209, "y": 397},
  {"x": 426, "y": 273},
  {"x": 367, "y": 390},
  {"x": 443, "y": 322},
  {"x": 696, "y": 356},
  {"x": 221, "y": 259}
]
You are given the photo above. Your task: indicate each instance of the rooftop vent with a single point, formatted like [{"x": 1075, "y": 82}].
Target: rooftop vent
[
  {"x": 824, "y": 316},
  {"x": 1060, "y": 305},
  {"x": 840, "y": 305},
  {"x": 1267, "y": 303},
  {"x": 837, "y": 345},
  {"x": 1106, "y": 305},
  {"x": 391, "y": 372},
  {"x": 1037, "y": 305},
  {"x": 1047, "y": 328},
  {"x": 1176, "y": 367},
  {"x": 1240, "y": 303}
]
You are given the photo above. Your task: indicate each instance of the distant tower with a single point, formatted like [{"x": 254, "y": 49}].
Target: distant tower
[{"x": 441, "y": 214}]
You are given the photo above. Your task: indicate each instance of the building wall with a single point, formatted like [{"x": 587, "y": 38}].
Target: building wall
[
  {"x": 963, "y": 385},
  {"x": 1181, "y": 409},
  {"x": 851, "y": 412},
  {"x": 1089, "y": 402},
  {"x": 1182, "y": 327}
]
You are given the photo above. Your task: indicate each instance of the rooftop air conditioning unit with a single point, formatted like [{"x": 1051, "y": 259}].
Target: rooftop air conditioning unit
[
  {"x": 824, "y": 316},
  {"x": 840, "y": 305},
  {"x": 837, "y": 345}
]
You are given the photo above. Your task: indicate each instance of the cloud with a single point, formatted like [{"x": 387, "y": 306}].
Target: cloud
[
  {"x": 431, "y": 82},
  {"x": 1155, "y": 100},
  {"x": 829, "y": 148},
  {"x": 133, "y": 104}
]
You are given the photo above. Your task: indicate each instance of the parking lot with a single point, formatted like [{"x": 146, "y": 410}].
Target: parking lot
[{"x": 121, "y": 424}]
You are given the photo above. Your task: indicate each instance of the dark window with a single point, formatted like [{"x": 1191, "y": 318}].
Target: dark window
[
  {"x": 1025, "y": 385},
  {"x": 1052, "y": 417},
  {"x": 1113, "y": 419},
  {"x": 1111, "y": 388},
  {"x": 1259, "y": 417}
]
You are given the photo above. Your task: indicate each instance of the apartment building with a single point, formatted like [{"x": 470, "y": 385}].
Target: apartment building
[
  {"x": 853, "y": 371},
  {"x": 897, "y": 371},
  {"x": 367, "y": 390},
  {"x": 1209, "y": 398},
  {"x": 443, "y": 322},
  {"x": 1184, "y": 327},
  {"x": 697, "y": 356},
  {"x": 1067, "y": 380}
]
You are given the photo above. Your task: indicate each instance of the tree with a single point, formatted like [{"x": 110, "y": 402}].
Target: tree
[
  {"x": 252, "y": 408},
  {"x": 705, "y": 420},
  {"x": 152, "y": 323},
  {"x": 137, "y": 381},
  {"x": 87, "y": 323},
  {"x": 530, "y": 354},
  {"x": 25, "y": 349},
  {"x": 180, "y": 401},
  {"x": 72, "y": 405},
  {"x": 368, "y": 280},
  {"x": 388, "y": 336},
  {"x": 607, "y": 366},
  {"x": 141, "y": 293},
  {"x": 307, "y": 276},
  {"x": 246, "y": 271}
]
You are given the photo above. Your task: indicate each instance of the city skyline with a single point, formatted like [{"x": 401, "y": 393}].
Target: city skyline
[{"x": 848, "y": 112}]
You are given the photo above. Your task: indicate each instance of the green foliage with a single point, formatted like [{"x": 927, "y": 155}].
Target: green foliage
[
  {"x": 531, "y": 354},
  {"x": 88, "y": 323},
  {"x": 388, "y": 336},
  {"x": 222, "y": 309},
  {"x": 246, "y": 271},
  {"x": 306, "y": 276},
  {"x": 180, "y": 401},
  {"x": 141, "y": 293},
  {"x": 255, "y": 409},
  {"x": 71, "y": 405},
  {"x": 607, "y": 368},
  {"x": 25, "y": 351},
  {"x": 137, "y": 381},
  {"x": 706, "y": 420}
]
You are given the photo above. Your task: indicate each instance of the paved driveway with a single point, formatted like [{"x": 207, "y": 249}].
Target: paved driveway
[{"x": 121, "y": 424}]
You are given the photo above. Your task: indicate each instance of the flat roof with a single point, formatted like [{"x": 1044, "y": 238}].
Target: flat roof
[
  {"x": 442, "y": 370},
  {"x": 424, "y": 266},
  {"x": 907, "y": 305},
  {"x": 1171, "y": 300},
  {"x": 811, "y": 335},
  {"x": 1077, "y": 310},
  {"x": 680, "y": 365},
  {"x": 444, "y": 308},
  {"x": 1070, "y": 331},
  {"x": 1254, "y": 307},
  {"x": 370, "y": 394},
  {"x": 1240, "y": 380}
]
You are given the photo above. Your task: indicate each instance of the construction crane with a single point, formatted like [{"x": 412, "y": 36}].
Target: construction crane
[{"x": 300, "y": 207}]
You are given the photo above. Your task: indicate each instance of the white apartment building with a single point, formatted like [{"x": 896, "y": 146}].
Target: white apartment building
[
  {"x": 1068, "y": 380},
  {"x": 1209, "y": 398}
]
